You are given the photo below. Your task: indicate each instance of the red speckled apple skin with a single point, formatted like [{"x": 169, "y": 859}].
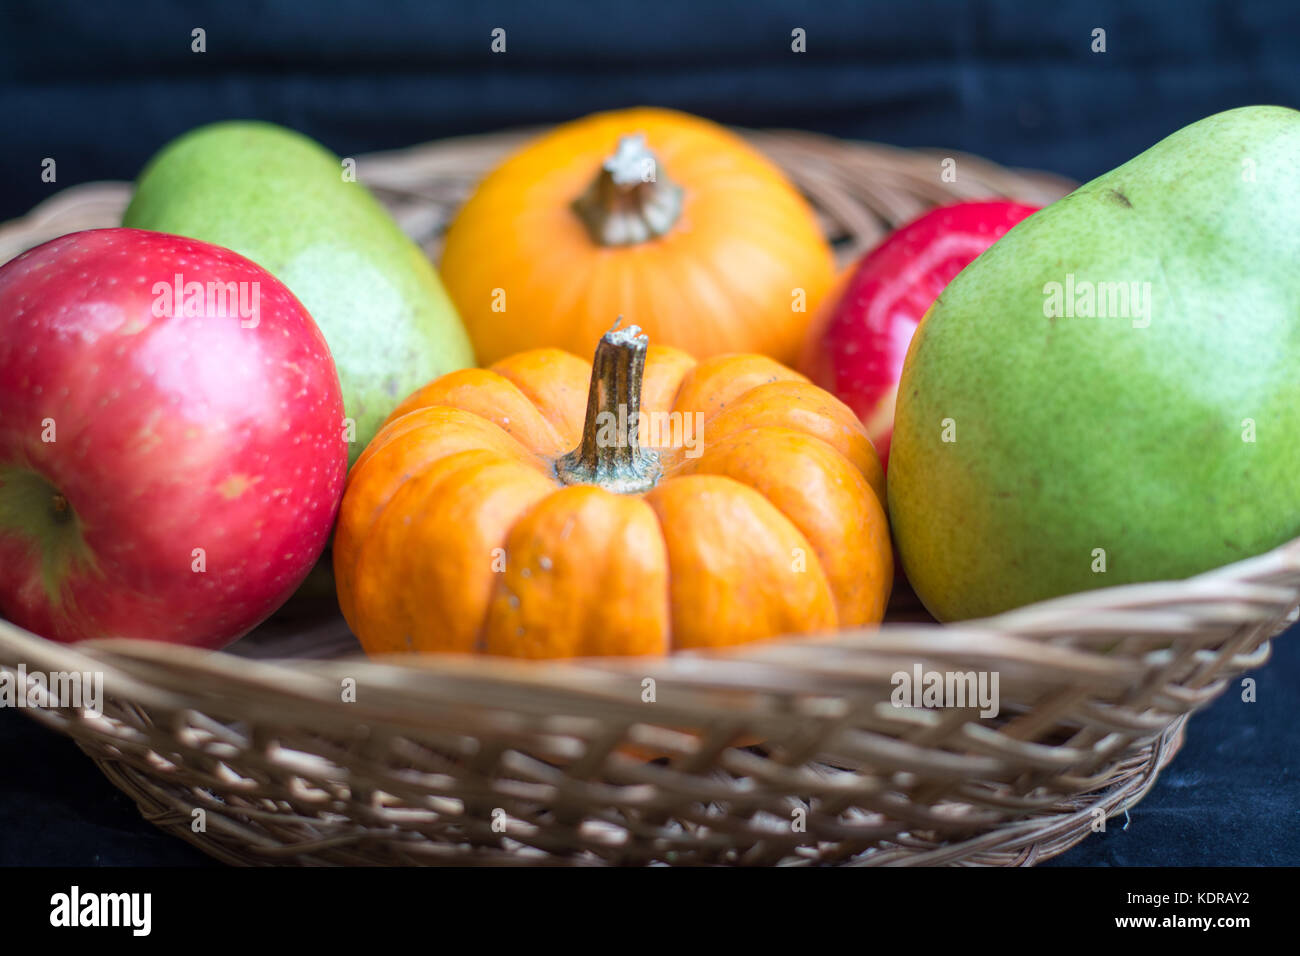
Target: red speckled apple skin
[
  {"x": 197, "y": 458},
  {"x": 859, "y": 341}
]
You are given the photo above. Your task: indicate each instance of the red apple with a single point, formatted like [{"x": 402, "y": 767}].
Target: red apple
[
  {"x": 170, "y": 465},
  {"x": 857, "y": 346}
]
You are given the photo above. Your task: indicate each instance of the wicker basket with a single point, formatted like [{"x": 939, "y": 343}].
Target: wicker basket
[{"x": 474, "y": 760}]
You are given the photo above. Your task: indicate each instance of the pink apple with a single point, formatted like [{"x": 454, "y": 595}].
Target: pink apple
[
  {"x": 171, "y": 440},
  {"x": 858, "y": 344}
]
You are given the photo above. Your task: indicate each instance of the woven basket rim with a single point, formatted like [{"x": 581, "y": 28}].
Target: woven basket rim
[{"x": 1012, "y": 638}]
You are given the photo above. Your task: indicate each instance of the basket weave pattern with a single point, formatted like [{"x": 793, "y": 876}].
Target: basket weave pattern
[{"x": 781, "y": 752}]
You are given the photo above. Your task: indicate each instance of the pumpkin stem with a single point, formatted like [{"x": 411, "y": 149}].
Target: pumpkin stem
[
  {"x": 630, "y": 201},
  {"x": 610, "y": 454}
]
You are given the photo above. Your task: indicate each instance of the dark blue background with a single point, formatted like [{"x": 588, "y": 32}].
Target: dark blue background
[{"x": 100, "y": 86}]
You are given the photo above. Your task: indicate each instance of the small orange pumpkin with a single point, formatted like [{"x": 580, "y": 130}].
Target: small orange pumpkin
[
  {"x": 532, "y": 510},
  {"x": 663, "y": 217}
]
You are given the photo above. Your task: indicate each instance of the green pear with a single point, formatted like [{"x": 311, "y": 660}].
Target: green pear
[
  {"x": 294, "y": 208},
  {"x": 1111, "y": 393}
]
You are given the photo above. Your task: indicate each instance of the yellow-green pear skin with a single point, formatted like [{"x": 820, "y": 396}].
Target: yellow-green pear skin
[
  {"x": 1051, "y": 437},
  {"x": 295, "y": 209}
]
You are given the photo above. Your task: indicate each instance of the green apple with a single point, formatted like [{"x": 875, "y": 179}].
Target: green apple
[
  {"x": 291, "y": 206},
  {"x": 1110, "y": 393}
]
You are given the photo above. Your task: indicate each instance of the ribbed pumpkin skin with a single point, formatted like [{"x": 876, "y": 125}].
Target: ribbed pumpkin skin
[
  {"x": 721, "y": 280},
  {"x": 455, "y": 534}
]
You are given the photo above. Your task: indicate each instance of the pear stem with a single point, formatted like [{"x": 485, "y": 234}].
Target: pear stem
[{"x": 610, "y": 453}]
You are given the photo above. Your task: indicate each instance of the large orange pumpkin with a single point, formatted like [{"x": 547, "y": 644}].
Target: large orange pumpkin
[
  {"x": 531, "y": 510},
  {"x": 665, "y": 218}
]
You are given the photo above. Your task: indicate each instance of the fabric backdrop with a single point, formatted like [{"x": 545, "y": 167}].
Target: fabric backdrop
[{"x": 100, "y": 86}]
